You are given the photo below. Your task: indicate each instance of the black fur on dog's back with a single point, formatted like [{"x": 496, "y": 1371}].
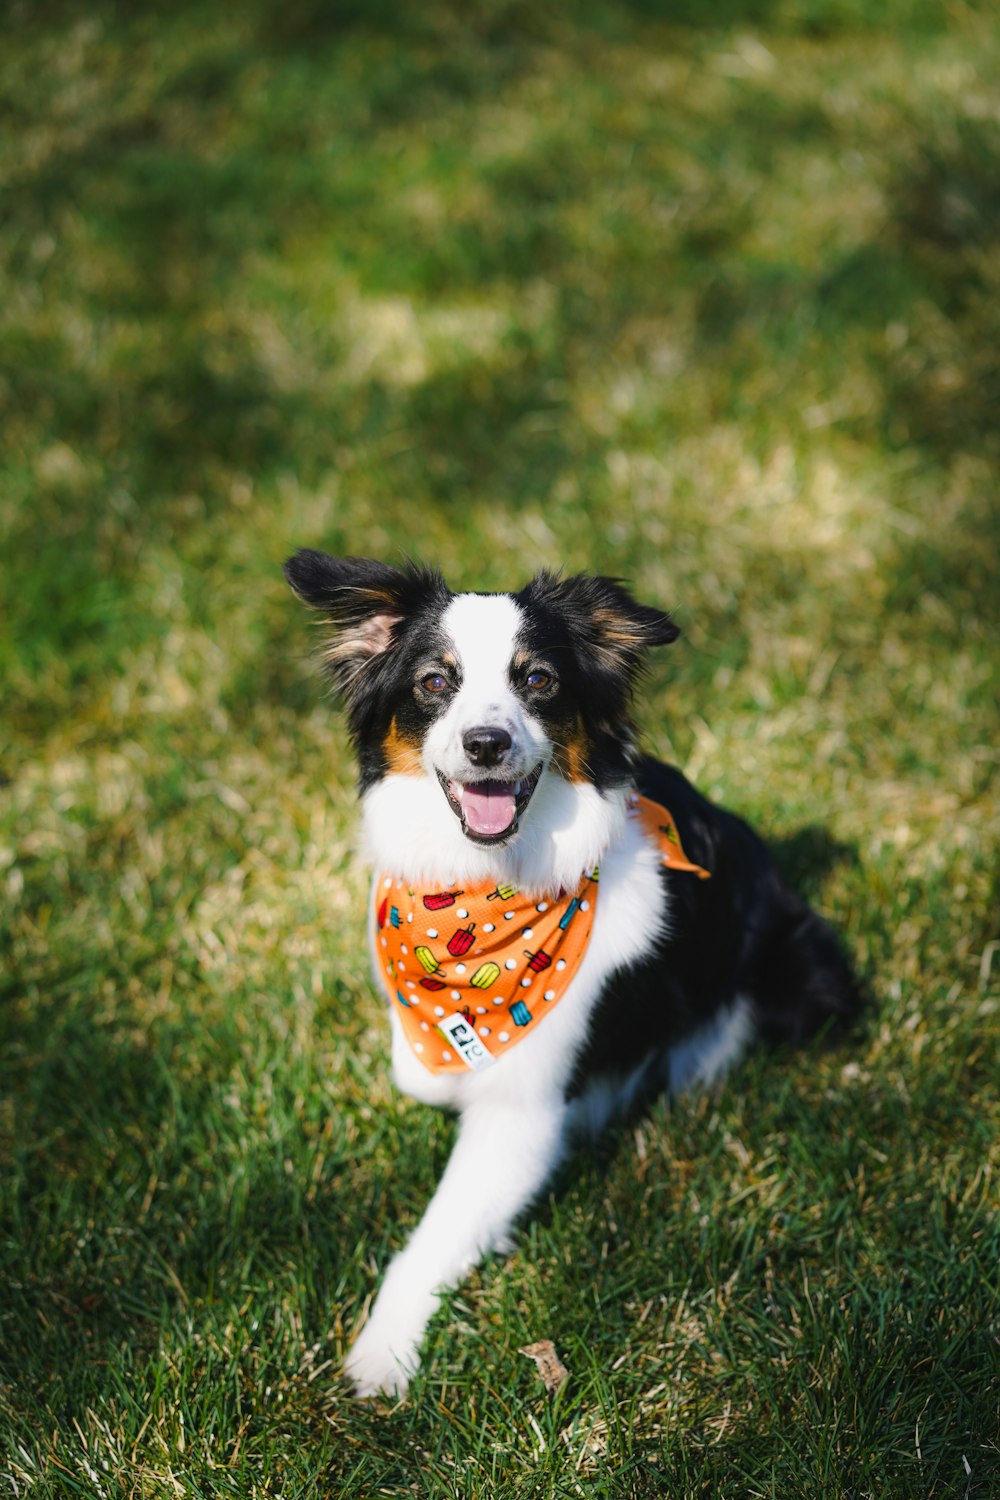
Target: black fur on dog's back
[{"x": 741, "y": 933}]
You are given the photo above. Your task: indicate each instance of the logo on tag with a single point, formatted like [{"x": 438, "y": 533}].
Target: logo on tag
[{"x": 456, "y": 1030}]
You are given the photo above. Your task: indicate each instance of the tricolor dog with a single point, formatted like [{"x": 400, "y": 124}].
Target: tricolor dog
[{"x": 559, "y": 924}]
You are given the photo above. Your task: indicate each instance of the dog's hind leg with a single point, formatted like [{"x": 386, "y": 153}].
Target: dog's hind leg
[
  {"x": 502, "y": 1159},
  {"x": 802, "y": 982}
]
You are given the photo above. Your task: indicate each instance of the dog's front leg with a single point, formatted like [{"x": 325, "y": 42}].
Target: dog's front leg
[{"x": 502, "y": 1158}]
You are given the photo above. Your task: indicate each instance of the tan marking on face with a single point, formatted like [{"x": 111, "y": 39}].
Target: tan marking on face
[
  {"x": 402, "y": 754},
  {"x": 571, "y": 755}
]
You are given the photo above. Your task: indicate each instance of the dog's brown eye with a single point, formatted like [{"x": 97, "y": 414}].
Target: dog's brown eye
[
  {"x": 538, "y": 680},
  {"x": 435, "y": 683}
]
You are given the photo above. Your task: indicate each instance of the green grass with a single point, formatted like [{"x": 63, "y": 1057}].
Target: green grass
[{"x": 706, "y": 297}]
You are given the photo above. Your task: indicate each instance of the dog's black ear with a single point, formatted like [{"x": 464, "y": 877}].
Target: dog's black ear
[
  {"x": 364, "y": 603},
  {"x": 601, "y": 613}
]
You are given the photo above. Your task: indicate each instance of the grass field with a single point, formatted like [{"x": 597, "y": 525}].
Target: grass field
[{"x": 707, "y": 297}]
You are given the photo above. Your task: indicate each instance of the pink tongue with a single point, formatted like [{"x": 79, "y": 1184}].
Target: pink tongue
[{"x": 488, "y": 809}]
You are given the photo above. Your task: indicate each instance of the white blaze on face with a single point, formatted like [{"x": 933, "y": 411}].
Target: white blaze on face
[{"x": 482, "y": 630}]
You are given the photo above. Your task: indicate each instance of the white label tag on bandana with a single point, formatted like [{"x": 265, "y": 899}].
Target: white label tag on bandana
[{"x": 456, "y": 1030}]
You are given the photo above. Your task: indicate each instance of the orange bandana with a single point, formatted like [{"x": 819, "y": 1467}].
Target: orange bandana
[{"x": 473, "y": 971}]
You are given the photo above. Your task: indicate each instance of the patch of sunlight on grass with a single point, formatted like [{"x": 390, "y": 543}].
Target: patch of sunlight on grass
[{"x": 390, "y": 340}]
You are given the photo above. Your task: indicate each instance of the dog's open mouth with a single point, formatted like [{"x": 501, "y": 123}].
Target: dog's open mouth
[{"x": 490, "y": 810}]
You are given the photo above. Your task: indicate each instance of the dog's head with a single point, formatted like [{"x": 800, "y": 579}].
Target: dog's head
[{"x": 486, "y": 697}]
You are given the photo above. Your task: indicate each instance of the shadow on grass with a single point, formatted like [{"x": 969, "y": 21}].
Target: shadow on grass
[
  {"x": 809, "y": 856},
  {"x": 143, "y": 1183},
  {"x": 929, "y": 278}
]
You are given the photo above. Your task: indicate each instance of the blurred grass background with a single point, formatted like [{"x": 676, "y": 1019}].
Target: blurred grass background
[{"x": 705, "y": 297}]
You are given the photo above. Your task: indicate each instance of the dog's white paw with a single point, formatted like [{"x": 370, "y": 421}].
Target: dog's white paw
[{"x": 380, "y": 1366}]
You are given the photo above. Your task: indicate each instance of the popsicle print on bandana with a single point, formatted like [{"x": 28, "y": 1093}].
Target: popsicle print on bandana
[{"x": 488, "y": 956}]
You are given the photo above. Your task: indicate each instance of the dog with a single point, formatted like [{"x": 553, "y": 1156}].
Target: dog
[{"x": 561, "y": 925}]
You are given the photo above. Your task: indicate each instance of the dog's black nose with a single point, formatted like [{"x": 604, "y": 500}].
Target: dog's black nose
[{"x": 486, "y": 746}]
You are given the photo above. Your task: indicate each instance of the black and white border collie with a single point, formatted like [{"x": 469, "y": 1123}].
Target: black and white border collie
[{"x": 495, "y": 745}]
